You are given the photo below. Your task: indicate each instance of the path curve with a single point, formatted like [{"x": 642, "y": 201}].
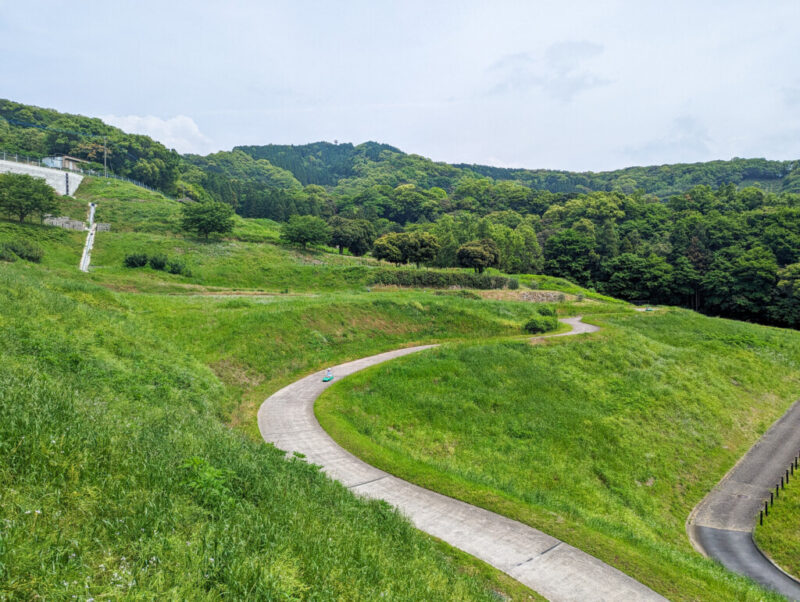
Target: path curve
[
  {"x": 721, "y": 525},
  {"x": 547, "y": 565}
]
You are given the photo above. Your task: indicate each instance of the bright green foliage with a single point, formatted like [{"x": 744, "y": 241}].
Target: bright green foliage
[
  {"x": 423, "y": 248},
  {"x": 570, "y": 254},
  {"x": 120, "y": 480},
  {"x": 779, "y": 537},
  {"x": 704, "y": 231},
  {"x": 22, "y": 248},
  {"x": 787, "y": 305},
  {"x": 41, "y": 132},
  {"x": 22, "y": 195},
  {"x": 406, "y": 247},
  {"x": 356, "y": 235},
  {"x": 135, "y": 260},
  {"x": 305, "y": 230},
  {"x": 54, "y": 247},
  {"x": 540, "y": 323},
  {"x": 478, "y": 255},
  {"x": 207, "y": 218},
  {"x": 606, "y": 441},
  {"x": 385, "y": 249}
]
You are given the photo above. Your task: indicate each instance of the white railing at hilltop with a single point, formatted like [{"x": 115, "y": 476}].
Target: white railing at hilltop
[{"x": 17, "y": 158}]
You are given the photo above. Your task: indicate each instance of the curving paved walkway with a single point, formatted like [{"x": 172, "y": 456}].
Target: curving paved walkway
[
  {"x": 721, "y": 525},
  {"x": 547, "y": 565}
]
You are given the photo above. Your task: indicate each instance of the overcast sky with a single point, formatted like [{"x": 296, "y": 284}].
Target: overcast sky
[{"x": 589, "y": 85}]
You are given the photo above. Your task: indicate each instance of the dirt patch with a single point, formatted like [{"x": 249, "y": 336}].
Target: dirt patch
[{"x": 528, "y": 296}]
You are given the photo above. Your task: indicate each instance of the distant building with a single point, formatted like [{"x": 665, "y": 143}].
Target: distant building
[
  {"x": 103, "y": 227},
  {"x": 64, "y": 162}
]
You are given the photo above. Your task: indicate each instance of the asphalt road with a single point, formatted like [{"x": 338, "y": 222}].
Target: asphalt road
[
  {"x": 721, "y": 525},
  {"x": 551, "y": 567}
]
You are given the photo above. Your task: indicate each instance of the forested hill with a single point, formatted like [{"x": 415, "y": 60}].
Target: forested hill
[
  {"x": 322, "y": 163},
  {"x": 721, "y": 237},
  {"x": 662, "y": 181},
  {"x": 352, "y": 167}
]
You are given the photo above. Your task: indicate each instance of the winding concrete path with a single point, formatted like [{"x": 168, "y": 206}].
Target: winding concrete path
[
  {"x": 547, "y": 565},
  {"x": 721, "y": 525}
]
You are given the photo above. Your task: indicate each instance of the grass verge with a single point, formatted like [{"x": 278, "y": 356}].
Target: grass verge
[
  {"x": 779, "y": 537},
  {"x": 606, "y": 442}
]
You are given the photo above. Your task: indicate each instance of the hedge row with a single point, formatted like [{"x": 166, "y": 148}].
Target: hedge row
[
  {"x": 157, "y": 262},
  {"x": 429, "y": 278}
]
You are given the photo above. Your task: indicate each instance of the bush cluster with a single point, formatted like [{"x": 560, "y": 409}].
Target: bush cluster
[
  {"x": 135, "y": 260},
  {"x": 546, "y": 310},
  {"x": 538, "y": 323},
  {"x": 157, "y": 262},
  {"x": 543, "y": 321},
  {"x": 422, "y": 278},
  {"x": 20, "y": 249}
]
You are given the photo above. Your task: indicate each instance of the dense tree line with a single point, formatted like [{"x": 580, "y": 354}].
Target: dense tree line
[
  {"x": 721, "y": 237},
  {"x": 660, "y": 180},
  {"x": 731, "y": 252}
]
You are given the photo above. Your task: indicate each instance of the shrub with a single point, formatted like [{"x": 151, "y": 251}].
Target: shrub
[
  {"x": 513, "y": 284},
  {"x": 6, "y": 254},
  {"x": 135, "y": 260},
  {"x": 158, "y": 262},
  {"x": 24, "y": 250},
  {"x": 546, "y": 310},
  {"x": 539, "y": 323},
  {"x": 176, "y": 266}
]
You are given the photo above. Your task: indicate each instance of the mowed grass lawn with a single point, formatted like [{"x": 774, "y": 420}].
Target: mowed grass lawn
[
  {"x": 779, "y": 537},
  {"x": 120, "y": 480},
  {"x": 605, "y": 441}
]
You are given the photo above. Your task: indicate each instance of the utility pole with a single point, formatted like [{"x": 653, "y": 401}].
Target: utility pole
[{"x": 105, "y": 157}]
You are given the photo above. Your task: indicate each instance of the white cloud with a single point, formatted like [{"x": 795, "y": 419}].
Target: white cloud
[
  {"x": 559, "y": 72},
  {"x": 685, "y": 141},
  {"x": 179, "y": 132}
]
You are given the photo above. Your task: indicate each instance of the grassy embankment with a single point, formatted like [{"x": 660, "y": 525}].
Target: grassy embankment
[
  {"x": 779, "y": 537},
  {"x": 250, "y": 258},
  {"x": 121, "y": 481},
  {"x": 606, "y": 442},
  {"x": 108, "y": 397}
]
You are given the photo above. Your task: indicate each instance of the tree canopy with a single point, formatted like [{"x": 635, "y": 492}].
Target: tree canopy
[
  {"x": 305, "y": 230},
  {"x": 207, "y": 218},
  {"x": 22, "y": 195}
]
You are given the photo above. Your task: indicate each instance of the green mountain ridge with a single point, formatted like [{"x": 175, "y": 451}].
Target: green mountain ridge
[{"x": 343, "y": 168}]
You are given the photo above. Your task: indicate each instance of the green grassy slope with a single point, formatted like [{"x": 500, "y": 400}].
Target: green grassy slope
[
  {"x": 124, "y": 355},
  {"x": 779, "y": 537},
  {"x": 120, "y": 480},
  {"x": 606, "y": 442},
  {"x": 123, "y": 476},
  {"x": 258, "y": 344}
]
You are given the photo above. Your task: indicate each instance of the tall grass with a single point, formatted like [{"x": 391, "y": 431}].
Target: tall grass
[
  {"x": 258, "y": 344},
  {"x": 606, "y": 442},
  {"x": 779, "y": 537},
  {"x": 120, "y": 482}
]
